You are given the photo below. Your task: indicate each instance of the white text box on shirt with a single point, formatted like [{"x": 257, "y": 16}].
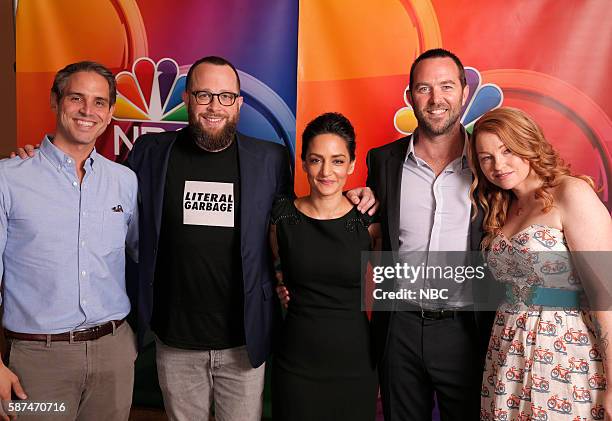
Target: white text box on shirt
[{"x": 208, "y": 203}]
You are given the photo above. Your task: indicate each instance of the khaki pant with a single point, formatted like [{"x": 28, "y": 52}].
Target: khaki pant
[
  {"x": 93, "y": 379},
  {"x": 192, "y": 380}
]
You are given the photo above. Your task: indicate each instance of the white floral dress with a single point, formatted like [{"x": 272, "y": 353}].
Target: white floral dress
[{"x": 543, "y": 363}]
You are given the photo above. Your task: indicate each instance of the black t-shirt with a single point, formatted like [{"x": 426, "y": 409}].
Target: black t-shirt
[{"x": 198, "y": 292}]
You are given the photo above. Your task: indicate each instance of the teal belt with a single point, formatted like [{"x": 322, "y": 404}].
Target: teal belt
[{"x": 548, "y": 297}]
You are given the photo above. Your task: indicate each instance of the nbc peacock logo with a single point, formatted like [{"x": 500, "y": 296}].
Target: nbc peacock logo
[
  {"x": 482, "y": 98},
  {"x": 149, "y": 100},
  {"x": 151, "y": 92}
]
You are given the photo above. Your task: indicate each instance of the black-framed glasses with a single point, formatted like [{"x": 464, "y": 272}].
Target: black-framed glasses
[{"x": 225, "y": 98}]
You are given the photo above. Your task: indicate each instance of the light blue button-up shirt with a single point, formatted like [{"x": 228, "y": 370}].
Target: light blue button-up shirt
[{"x": 63, "y": 242}]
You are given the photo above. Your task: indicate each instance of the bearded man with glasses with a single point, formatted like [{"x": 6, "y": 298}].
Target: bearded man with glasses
[{"x": 204, "y": 281}]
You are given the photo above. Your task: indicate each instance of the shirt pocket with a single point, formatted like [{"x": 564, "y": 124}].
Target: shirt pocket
[{"x": 114, "y": 230}]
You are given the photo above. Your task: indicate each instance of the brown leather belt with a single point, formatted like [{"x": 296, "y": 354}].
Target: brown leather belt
[{"x": 90, "y": 334}]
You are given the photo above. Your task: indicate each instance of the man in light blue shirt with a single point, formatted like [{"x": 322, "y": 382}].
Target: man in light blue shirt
[{"x": 67, "y": 217}]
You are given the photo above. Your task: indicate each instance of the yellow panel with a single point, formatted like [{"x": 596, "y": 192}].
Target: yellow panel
[{"x": 126, "y": 110}]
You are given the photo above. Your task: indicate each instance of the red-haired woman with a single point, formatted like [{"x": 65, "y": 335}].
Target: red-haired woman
[{"x": 546, "y": 357}]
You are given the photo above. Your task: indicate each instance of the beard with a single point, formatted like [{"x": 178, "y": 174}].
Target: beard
[
  {"x": 209, "y": 141},
  {"x": 441, "y": 129}
]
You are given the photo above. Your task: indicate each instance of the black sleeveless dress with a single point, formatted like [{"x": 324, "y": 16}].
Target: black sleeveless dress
[{"x": 323, "y": 366}]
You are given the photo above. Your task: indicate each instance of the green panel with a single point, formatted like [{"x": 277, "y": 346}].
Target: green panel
[{"x": 177, "y": 115}]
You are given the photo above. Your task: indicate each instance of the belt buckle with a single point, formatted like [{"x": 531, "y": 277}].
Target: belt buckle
[
  {"x": 431, "y": 314},
  {"x": 74, "y": 334},
  {"x": 85, "y": 331}
]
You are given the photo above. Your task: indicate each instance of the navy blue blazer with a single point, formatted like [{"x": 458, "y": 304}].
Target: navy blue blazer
[{"x": 264, "y": 174}]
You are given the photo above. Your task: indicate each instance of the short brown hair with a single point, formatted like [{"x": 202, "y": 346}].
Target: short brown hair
[{"x": 61, "y": 78}]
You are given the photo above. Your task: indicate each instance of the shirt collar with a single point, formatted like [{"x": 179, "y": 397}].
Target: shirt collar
[
  {"x": 59, "y": 159},
  {"x": 411, "y": 155},
  {"x": 464, "y": 159}
]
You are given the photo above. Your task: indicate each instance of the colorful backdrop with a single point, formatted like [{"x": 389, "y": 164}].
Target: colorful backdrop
[
  {"x": 550, "y": 58},
  {"x": 547, "y": 57},
  {"x": 149, "y": 45}
]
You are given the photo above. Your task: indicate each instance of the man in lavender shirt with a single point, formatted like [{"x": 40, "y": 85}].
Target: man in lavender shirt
[{"x": 423, "y": 183}]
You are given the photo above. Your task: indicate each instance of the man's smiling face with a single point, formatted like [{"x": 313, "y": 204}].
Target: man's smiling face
[
  {"x": 437, "y": 95},
  {"x": 84, "y": 111},
  {"x": 214, "y": 124}
]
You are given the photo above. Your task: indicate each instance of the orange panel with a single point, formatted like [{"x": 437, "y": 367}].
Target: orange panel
[{"x": 344, "y": 39}]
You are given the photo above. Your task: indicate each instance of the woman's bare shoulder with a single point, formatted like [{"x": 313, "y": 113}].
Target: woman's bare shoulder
[{"x": 571, "y": 190}]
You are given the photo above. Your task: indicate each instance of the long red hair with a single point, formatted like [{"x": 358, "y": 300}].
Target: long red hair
[{"x": 525, "y": 139}]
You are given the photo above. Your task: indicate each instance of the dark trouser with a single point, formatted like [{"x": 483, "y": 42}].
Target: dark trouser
[
  {"x": 84, "y": 381},
  {"x": 426, "y": 356}
]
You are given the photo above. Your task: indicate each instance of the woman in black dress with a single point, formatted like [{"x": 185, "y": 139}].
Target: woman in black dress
[{"x": 323, "y": 368}]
